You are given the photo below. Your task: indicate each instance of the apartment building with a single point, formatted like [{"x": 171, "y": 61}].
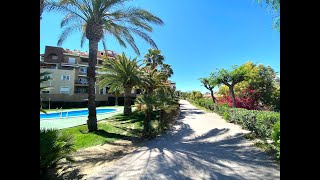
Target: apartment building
[{"x": 68, "y": 75}]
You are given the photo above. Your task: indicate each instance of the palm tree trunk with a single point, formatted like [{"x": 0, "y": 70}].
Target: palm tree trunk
[
  {"x": 161, "y": 118},
  {"x": 116, "y": 100},
  {"x": 234, "y": 104},
  {"x": 146, "y": 124},
  {"x": 127, "y": 101},
  {"x": 91, "y": 74}
]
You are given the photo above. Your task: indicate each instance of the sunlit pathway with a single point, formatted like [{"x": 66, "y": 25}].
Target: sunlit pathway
[{"x": 204, "y": 146}]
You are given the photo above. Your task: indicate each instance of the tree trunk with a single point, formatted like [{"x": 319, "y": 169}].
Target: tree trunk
[
  {"x": 127, "y": 101},
  {"x": 161, "y": 118},
  {"x": 91, "y": 74},
  {"x": 116, "y": 100},
  {"x": 213, "y": 98},
  {"x": 234, "y": 104},
  {"x": 146, "y": 124}
]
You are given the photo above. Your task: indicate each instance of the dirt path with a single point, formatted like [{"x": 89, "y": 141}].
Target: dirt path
[{"x": 203, "y": 146}]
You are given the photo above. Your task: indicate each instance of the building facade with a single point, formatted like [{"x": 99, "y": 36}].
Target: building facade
[{"x": 68, "y": 75}]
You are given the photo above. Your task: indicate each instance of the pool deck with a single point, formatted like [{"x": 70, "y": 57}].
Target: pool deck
[{"x": 76, "y": 121}]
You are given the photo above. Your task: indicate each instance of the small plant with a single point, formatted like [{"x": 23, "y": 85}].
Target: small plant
[
  {"x": 278, "y": 148},
  {"x": 54, "y": 146},
  {"x": 226, "y": 116},
  {"x": 276, "y": 132}
]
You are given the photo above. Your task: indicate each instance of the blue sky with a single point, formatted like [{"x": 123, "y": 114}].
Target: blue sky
[{"x": 198, "y": 37}]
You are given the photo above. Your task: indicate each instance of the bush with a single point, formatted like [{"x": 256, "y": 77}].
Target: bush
[
  {"x": 265, "y": 122},
  {"x": 259, "y": 122},
  {"x": 275, "y": 135},
  {"x": 221, "y": 109},
  {"x": 54, "y": 146}
]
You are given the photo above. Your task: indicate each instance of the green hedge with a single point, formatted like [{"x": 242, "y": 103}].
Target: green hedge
[
  {"x": 203, "y": 102},
  {"x": 259, "y": 122}
]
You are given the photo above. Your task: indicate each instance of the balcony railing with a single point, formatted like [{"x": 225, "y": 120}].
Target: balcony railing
[{"x": 80, "y": 82}]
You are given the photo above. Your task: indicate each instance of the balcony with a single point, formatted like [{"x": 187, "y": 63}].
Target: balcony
[{"x": 81, "y": 83}]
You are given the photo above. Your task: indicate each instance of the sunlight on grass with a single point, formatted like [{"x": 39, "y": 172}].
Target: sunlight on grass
[{"x": 112, "y": 129}]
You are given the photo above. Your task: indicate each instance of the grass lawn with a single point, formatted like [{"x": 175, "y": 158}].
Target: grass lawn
[{"x": 109, "y": 130}]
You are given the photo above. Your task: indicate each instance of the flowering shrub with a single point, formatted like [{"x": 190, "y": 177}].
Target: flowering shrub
[{"x": 247, "y": 99}]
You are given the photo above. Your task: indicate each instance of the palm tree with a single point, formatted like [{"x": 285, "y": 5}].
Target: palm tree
[
  {"x": 116, "y": 91},
  {"x": 42, "y": 4},
  {"x": 124, "y": 73},
  {"x": 96, "y": 18},
  {"x": 153, "y": 81},
  {"x": 153, "y": 58},
  {"x": 166, "y": 68}
]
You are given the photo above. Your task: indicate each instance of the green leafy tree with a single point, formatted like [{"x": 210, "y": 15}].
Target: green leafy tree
[
  {"x": 230, "y": 79},
  {"x": 121, "y": 72},
  {"x": 95, "y": 18},
  {"x": 210, "y": 83},
  {"x": 263, "y": 80}
]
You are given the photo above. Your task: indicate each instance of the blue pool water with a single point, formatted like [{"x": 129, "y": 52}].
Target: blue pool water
[{"x": 73, "y": 113}]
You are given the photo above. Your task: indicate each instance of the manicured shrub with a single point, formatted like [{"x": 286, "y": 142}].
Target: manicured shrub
[
  {"x": 259, "y": 122},
  {"x": 54, "y": 146},
  {"x": 265, "y": 122}
]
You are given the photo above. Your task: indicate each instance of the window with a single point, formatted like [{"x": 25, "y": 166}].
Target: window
[
  {"x": 64, "y": 90},
  {"x": 65, "y": 78},
  {"x": 83, "y": 81},
  {"x": 54, "y": 57},
  {"x": 101, "y": 91},
  {"x": 72, "y": 60},
  {"x": 45, "y": 92},
  {"x": 83, "y": 69},
  {"x": 82, "y": 90},
  {"x": 85, "y": 59}
]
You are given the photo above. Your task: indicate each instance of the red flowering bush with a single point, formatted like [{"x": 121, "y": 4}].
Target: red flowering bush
[{"x": 247, "y": 99}]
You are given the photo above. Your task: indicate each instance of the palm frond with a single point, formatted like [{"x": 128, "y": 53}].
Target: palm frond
[{"x": 67, "y": 31}]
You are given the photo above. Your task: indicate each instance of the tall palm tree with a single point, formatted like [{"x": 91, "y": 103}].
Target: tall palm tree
[
  {"x": 124, "y": 73},
  {"x": 153, "y": 58},
  {"x": 95, "y": 18}
]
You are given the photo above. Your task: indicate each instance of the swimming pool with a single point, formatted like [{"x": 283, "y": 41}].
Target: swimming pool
[{"x": 73, "y": 113}]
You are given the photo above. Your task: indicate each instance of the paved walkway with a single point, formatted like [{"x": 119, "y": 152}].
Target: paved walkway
[{"x": 203, "y": 146}]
